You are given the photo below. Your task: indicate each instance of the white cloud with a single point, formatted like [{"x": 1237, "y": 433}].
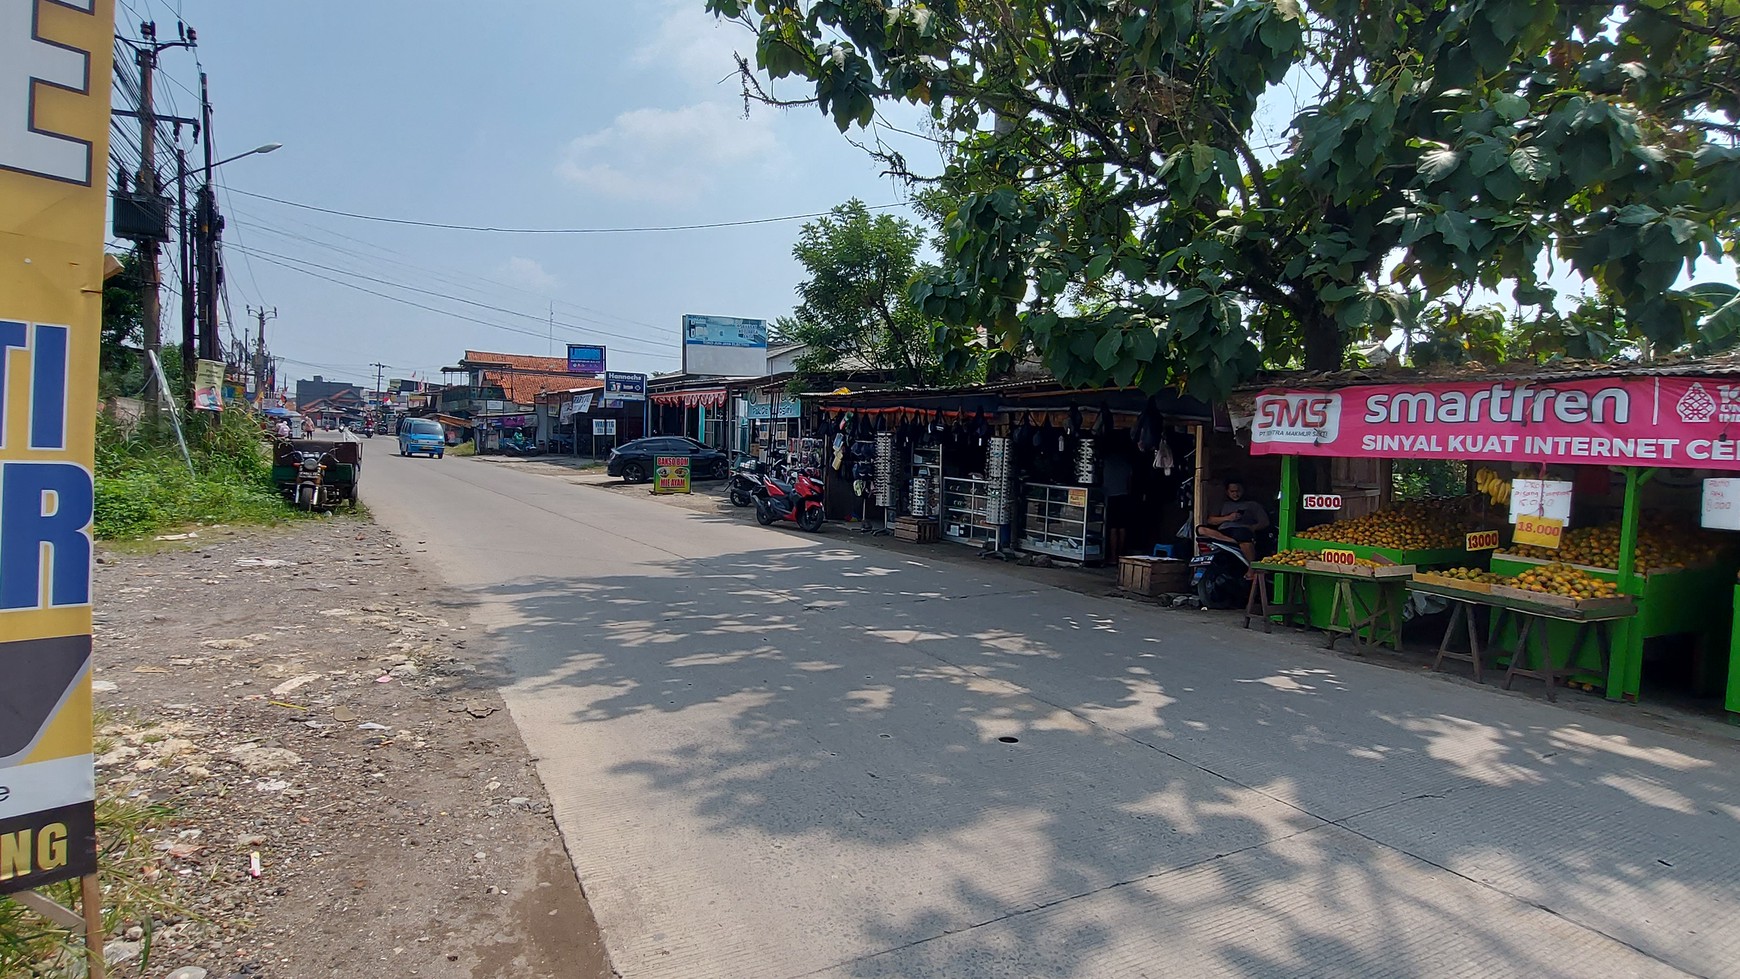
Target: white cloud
[
  {"x": 696, "y": 46},
  {"x": 528, "y": 273},
  {"x": 668, "y": 155}
]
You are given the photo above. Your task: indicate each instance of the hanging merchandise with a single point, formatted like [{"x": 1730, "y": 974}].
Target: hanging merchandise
[
  {"x": 920, "y": 496},
  {"x": 981, "y": 428},
  {"x": 1023, "y": 430},
  {"x": 1075, "y": 422},
  {"x": 1163, "y": 460},
  {"x": 1084, "y": 462},
  {"x": 1103, "y": 424},
  {"x": 1042, "y": 434},
  {"x": 885, "y": 469}
]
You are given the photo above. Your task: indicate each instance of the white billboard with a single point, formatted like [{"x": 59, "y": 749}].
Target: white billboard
[{"x": 728, "y": 346}]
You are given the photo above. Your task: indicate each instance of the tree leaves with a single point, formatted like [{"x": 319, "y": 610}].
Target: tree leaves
[{"x": 1438, "y": 164}]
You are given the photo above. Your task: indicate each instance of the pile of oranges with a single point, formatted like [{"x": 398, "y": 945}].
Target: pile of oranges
[
  {"x": 1417, "y": 526},
  {"x": 1660, "y": 547},
  {"x": 1562, "y": 579}
]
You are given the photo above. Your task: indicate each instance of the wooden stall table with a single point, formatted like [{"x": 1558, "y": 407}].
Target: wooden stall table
[
  {"x": 1463, "y": 603},
  {"x": 1368, "y": 624},
  {"x": 1594, "y": 620},
  {"x": 1261, "y": 603}
]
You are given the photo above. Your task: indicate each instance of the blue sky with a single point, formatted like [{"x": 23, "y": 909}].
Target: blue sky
[{"x": 546, "y": 113}]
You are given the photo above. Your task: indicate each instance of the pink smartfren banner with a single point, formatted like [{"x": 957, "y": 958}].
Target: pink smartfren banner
[{"x": 1680, "y": 422}]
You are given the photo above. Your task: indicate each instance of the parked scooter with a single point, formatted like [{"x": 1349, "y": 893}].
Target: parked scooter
[
  {"x": 746, "y": 479},
  {"x": 1219, "y": 571},
  {"x": 799, "y": 501}
]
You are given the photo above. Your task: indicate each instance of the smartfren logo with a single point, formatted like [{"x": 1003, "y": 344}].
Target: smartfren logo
[{"x": 29, "y": 62}]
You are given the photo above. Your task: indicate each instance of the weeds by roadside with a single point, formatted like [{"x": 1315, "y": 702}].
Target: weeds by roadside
[
  {"x": 136, "y": 888},
  {"x": 463, "y": 449},
  {"x": 143, "y": 485}
]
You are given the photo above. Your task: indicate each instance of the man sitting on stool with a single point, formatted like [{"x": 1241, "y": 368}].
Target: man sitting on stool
[{"x": 1238, "y": 520}]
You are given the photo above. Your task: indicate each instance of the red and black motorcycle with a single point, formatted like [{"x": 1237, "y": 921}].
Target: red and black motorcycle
[{"x": 799, "y": 501}]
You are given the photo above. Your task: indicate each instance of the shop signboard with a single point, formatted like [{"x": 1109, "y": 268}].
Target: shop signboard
[
  {"x": 1541, "y": 498},
  {"x": 55, "y": 66},
  {"x": 1539, "y": 531},
  {"x": 582, "y": 403},
  {"x": 604, "y": 426},
  {"x": 1322, "y": 501},
  {"x": 1722, "y": 504},
  {"x": 778, "y": 405},
  {"x": 1685, "y": 422},
  {"x": 585, "y": 358},
  {"x": 670, "y": 474},
  {"x": 620, "y": 387},
  {"x": 726, "y": 346}
]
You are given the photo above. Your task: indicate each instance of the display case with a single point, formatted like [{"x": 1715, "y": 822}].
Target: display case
[
  {"x": 969, "y": 508},
  {"x": 1067, "y": 522},
  {"x": 924, "y": 483}
]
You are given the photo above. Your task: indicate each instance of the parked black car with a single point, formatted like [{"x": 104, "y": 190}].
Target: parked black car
[{"x": 633, "y": 461}]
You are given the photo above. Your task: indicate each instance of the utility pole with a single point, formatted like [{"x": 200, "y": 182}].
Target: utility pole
[
  {"x": 262, "y": 314},
  {"x": 146, "y": 57},
  {"x": 191, "y": 351},
  {"x": 211, "y": 228},
  {"x": 380, "y": 371}
]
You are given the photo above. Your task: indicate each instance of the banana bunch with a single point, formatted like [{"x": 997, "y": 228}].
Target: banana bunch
[{"x": 1496, "y": 488}]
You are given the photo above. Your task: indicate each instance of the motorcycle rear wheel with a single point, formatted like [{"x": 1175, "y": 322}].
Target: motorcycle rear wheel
[
  {"x": 764, "y": 514},
  {"x": 741, "y": 497}
]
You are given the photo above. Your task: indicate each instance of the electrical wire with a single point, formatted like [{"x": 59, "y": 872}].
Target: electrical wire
[
  {"x": 267, "y": 256},
  {"x": 556, "y": 231},
  {"x": 433, "y": 309},
  {"x": 445, "y": 276}
]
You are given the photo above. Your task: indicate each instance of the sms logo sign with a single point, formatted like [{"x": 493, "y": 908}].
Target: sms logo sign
[{"x": 1301, "y": 418}]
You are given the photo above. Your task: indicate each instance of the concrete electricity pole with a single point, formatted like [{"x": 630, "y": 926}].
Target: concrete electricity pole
[
  {"x": 380, "y": 371},
  {"x": 262, "y": 314}
]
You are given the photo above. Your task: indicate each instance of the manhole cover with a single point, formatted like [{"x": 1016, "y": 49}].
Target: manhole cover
[{"x": 1008, "y": 740}]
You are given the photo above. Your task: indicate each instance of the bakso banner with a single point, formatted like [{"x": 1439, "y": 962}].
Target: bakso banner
[
  {"x": 1683, "y": 422},
  {"x": 54, "y": 148}
]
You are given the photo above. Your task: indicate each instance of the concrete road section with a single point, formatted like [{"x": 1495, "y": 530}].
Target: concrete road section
[{"x": 775, "y": 755}]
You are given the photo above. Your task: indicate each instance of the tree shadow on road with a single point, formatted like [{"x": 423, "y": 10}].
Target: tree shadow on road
[{"x": 872, "y": 765}]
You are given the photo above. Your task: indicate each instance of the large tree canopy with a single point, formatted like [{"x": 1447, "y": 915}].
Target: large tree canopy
[{"x": 1115, "y": 216}]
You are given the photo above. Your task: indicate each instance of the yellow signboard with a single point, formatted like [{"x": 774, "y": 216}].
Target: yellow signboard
[
  {"x": 54, "y": 124},
  {"x": 670, "y": 474},
  {"x": 1539, "y": 531}
]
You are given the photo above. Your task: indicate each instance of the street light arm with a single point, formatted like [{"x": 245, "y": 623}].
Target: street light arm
[{"x": 268, "y": 148}]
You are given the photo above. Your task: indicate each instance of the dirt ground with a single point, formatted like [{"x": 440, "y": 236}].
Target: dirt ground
[{"x": 306, "y": 694}]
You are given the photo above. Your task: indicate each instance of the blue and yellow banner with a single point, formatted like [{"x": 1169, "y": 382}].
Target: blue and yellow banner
[{"x": 55, "y": 63}]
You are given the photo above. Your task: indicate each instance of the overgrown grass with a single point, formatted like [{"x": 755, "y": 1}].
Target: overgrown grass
[
  {"x": 463, "y": 449},
  {"x": 144, "y": 487},
  {"x": 136, "y": 889}
]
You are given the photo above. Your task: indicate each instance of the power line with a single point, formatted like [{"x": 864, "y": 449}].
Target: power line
[
  {"x": 444, "y": 275},
  {"x": 433, "y": 309},
  {"x": 267, "y": 256},
  {"x": 555, "y": 231}
]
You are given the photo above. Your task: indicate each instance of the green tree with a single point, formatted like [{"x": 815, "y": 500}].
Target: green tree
[
  {"x": 854, "y": 307},
  {"x": 123, "y": 324},
  {"x": 1102, "y": 149}
]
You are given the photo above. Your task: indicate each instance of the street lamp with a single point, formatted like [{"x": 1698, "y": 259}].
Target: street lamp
[{"x": 267, "y": 148}]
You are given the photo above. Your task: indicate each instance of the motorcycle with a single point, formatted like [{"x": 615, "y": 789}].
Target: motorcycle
[
  {"x": 310, "y": 489},
  {"x": 799, "y": 501},
  {"x": 1217, "y": 574},
  {"x": 746, "y": 479}
]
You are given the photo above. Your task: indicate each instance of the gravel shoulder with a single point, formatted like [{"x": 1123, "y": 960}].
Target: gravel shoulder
[{"x": 306, "y": 693}]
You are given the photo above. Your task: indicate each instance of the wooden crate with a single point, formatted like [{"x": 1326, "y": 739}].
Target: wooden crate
[
  {"x": 1593, "y": 606},
  {"x": 1153, "y": 575},
  {"x": 1355, "y": 571},
  {"x": 1460, "y": 584},
  {"x": 915, "y": 531}
]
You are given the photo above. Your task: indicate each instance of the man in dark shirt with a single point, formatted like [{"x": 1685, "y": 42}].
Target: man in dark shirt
[{"x": 1237, "y": 520}]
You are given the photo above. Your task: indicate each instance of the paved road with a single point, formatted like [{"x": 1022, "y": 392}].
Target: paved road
[{"x": 774, "y": 756}]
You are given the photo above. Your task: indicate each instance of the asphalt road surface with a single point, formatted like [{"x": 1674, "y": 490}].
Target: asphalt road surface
[{"x": 776, "y": 755}]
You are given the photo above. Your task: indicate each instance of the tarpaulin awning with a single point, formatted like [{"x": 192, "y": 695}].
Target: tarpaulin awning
[{"x": 709, "y": 398}]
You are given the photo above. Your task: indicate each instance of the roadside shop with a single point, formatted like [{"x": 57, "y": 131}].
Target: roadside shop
[
  {"x": 1593, "y": 543},
  {"x": 1080, "y": 477}
]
